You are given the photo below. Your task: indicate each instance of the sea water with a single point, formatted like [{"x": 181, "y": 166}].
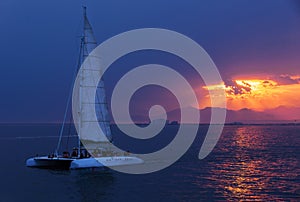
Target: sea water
[{"x": 250, "y": 162}]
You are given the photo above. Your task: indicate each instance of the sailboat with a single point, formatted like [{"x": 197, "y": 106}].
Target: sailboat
[{"x": 97, "y": 151}]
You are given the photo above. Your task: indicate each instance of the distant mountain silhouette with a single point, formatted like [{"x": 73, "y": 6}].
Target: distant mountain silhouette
[
  {"x": 245, "y": 115},
  {"x": 242, "y": 115},
  {"x": 285, "y": 113}
]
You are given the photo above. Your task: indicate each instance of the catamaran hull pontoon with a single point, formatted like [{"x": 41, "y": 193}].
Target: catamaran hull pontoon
[
  {"x": 50, "y": 163},
  {"x": 69, "y": 163}
]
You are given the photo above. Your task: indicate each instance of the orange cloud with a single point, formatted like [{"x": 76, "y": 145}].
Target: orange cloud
[{"x": 259, "y": 94}]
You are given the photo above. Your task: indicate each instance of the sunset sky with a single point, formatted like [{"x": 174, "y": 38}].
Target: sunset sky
[
  {"x": 261, "y": 93},
  {"x": 254, "y": 44}
]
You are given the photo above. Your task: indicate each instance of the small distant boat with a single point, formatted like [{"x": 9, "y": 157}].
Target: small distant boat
[{"x": 101, "y": 153}]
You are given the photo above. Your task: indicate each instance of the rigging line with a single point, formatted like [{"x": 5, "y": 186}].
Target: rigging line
[
  {"x": 68, "y": 101},
  {"x": 69, "y": 133},
  {"x": 31, "y": 137}
]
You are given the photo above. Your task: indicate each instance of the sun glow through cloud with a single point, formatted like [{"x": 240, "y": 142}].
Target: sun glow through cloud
[{"x": 259, "y": 94}]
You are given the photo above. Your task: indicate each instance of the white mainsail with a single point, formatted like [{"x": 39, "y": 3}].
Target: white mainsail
[{"x": 87, "y": 123}]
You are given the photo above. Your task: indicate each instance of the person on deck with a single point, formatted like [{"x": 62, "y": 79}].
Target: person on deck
[{"x": 74, "y": 152}]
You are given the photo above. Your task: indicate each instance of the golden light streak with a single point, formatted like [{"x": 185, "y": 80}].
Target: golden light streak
[{"x": 258, "y": 94}]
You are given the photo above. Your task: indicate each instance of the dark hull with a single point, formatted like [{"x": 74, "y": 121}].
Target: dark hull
[{"x": 50, "y": 163}]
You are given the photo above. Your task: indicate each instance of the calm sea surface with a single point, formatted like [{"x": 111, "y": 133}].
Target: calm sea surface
[{"x": 259, "y": 163}]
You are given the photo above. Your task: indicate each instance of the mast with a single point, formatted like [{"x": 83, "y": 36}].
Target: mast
[
  {"x": 82, "y": 57},
  {"x": 92, "y": 111},
  {"x": 87, "y": 76},
  {"x": 79, "y": 62}
]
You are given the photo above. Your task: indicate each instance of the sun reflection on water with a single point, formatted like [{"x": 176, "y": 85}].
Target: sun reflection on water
[
  {"x": 247, "y": 169},
  {"x": 245, "y": 179}
]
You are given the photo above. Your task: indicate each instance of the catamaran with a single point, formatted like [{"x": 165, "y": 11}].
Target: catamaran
[{"x": 97, "y": 151}]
